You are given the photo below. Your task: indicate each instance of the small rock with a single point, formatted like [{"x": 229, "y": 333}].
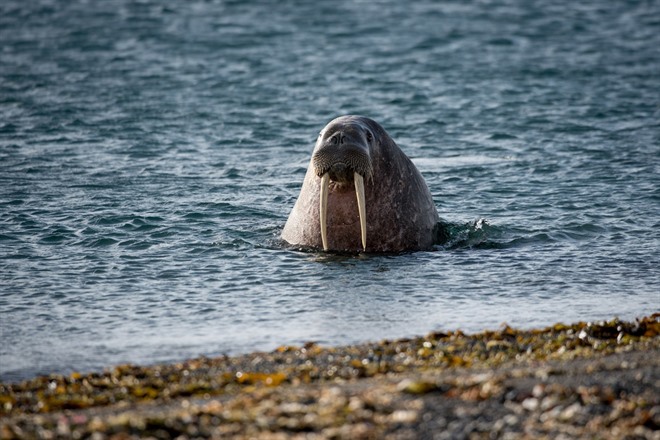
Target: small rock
[
  {"x": 530, "y": 404},
  {"x": 404, "y": 416}
]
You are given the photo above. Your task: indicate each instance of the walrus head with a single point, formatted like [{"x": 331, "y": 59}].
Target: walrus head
[{"x": 341, "y": 156}]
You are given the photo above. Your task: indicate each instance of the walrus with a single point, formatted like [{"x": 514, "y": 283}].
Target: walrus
[{"x": 361, "y": 193}]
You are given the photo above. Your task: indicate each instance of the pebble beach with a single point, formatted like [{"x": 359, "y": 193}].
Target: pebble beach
[{"x": 583, "y": 380}]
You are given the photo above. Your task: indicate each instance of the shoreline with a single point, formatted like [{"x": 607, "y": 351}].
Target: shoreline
[{"x": 583, "y": 379}]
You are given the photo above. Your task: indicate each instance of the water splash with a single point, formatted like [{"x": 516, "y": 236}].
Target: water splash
[{"x": 475, "y": 234}]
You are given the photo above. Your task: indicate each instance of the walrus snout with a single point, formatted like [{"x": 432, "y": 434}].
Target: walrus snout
[{"x": 342, "y": 162}]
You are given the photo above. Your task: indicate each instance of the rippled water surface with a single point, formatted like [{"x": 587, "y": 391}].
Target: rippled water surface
[{"x": 150, "y": 153}]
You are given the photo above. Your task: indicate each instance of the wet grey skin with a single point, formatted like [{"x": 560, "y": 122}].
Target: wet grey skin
[{"x": 361, "y": 193}]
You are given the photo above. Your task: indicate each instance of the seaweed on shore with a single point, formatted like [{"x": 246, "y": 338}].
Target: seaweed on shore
[{"x": 206, "y": 377}]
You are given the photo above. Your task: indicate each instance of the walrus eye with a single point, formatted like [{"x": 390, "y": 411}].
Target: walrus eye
[{"x": 369, "y": 137}]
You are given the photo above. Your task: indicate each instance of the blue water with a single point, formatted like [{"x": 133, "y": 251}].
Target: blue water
[{"x": 150, "y": 153}]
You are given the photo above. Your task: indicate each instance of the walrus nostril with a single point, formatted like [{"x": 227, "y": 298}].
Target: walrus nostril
[{"x": 338, "y": 139}]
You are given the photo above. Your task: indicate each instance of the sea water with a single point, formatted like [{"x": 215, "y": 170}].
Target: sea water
[{"x": 150, "y": 153}]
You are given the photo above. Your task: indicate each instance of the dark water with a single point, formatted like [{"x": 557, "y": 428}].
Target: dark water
[{"x": 151, "y": 151}]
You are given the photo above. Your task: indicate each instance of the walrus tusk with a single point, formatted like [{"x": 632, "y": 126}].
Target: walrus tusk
[
  {"x": 323, "y": 208},
  {"x": 359, "y": 191},
  {"x": 325, "y": 184}
]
